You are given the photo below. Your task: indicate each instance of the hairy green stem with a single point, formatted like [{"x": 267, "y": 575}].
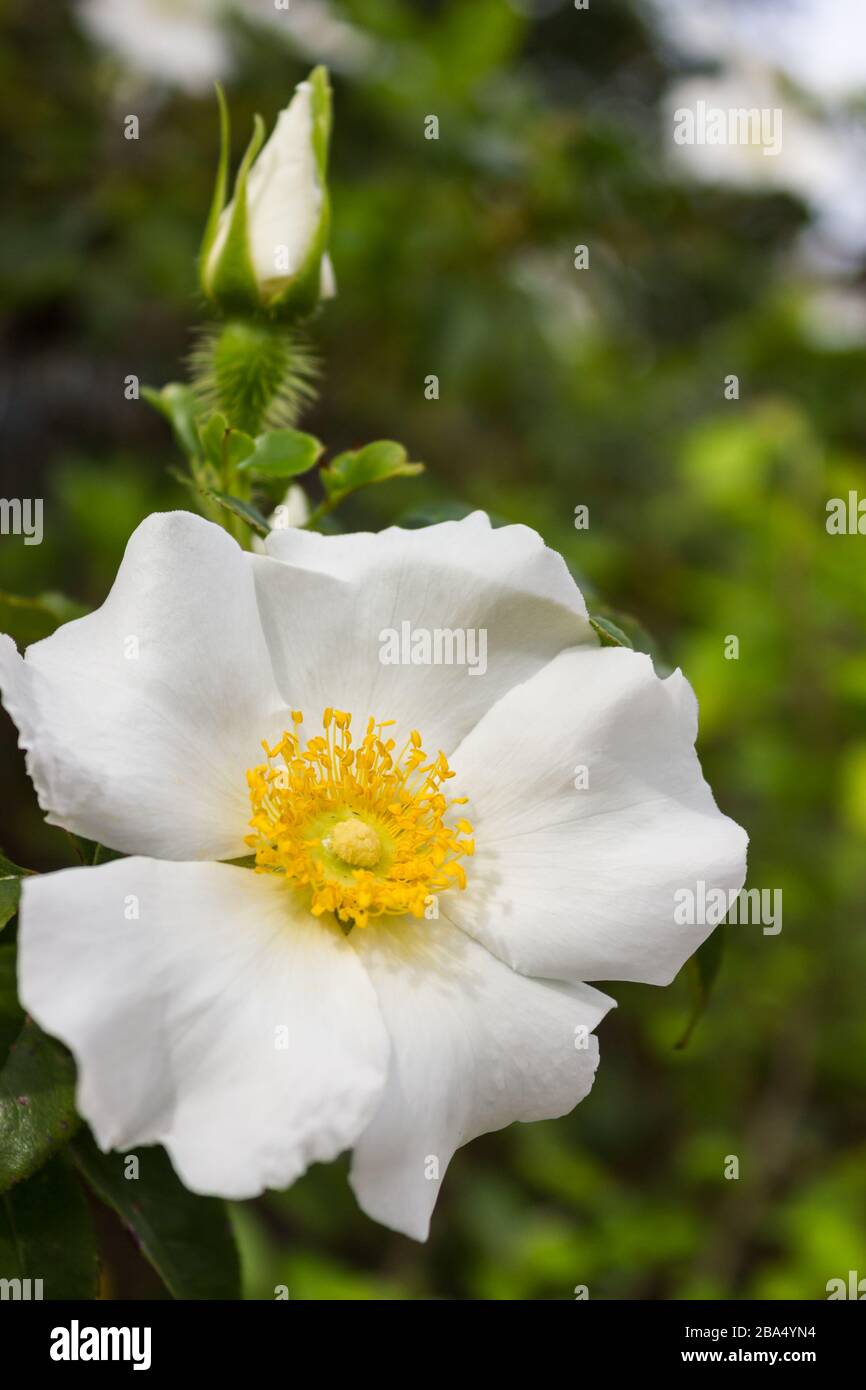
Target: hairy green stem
[{"x": 259, "y": 375}]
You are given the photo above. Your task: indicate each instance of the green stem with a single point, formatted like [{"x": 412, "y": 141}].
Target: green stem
[
  {"x": 323, "y": 509},
  {"x": 236, "y": 487},
  {"x": 258, "y": 374}
]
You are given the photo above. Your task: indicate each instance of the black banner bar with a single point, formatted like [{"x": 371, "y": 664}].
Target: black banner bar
[{"x": 164, "y": 1337}]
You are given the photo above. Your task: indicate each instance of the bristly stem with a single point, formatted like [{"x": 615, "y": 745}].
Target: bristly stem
[{"x": 257, "y": 374}]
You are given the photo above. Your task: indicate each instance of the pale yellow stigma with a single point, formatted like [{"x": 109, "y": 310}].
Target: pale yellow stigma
[
  {"x": 361, "y": 832},
  {"x": 356, "y": 843}
]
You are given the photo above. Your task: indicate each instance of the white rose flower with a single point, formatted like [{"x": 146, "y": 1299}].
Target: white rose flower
[
  {"x": 351, "y": 993},
  {"x": 182, "y": 43},
  {"x": 819, "y": 46},
  {"x": 816, "y": 161},
  {"x": 185, "y": 43}
]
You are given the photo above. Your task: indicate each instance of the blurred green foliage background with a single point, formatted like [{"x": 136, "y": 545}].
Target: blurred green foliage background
[{"x": 557, "y": 387}]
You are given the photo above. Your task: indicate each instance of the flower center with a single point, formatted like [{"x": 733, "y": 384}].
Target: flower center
[
  {"x": 356, "y": 842},
  {"x": 360, "y": 831}
]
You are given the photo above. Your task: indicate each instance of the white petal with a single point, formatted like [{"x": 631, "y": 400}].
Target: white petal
[
  {"x": 179, "y": 44},
  {"x": 284, "y": 197},
  {"x": 294, "y": 510},
  {"x": 174, "y": 1017},
  {"x": 141, "y": 719},
  {"x": 580, "y": 883},
  {"x": 474, "y": 1046},
  {"x": 327, "y": 278},
  {"x": 326, "y": 606}
]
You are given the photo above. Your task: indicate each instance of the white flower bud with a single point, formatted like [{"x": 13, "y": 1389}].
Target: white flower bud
[{"x": 268, "y": 246}]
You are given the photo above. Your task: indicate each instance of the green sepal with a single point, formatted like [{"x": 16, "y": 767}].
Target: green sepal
[
  {"x": 322, "y": 117},
  {"x": 609, "y": 635},
  {"x": 232, "y": 284},
  {"x": 702, "y": 970},
  {"x": 218, "y": 201},
  {"x": 617, "y": 629}
]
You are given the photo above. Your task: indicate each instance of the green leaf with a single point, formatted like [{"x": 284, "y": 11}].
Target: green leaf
[
  {"x": 375, "y": 463},
  {"x": 703, "y": 968},
  {"x": 238, "y": 446},
  {"x": 178, "y": 405},
  {"x": 212, "y": 435},
  {"x": 10, "y": 870},
  {"x": 245, "y": 510},
  {"x": 10, "y": 889},
  {"x": 609, "y": 634},
  {"x": 37, "y": 1104},
  {"x": 46, "y": 1232},
  {"x": 10, "y": 893},
  {"x": 282, "y": 454},
  {"x": 11, "y": 1012},
  {"x": 187, "y": 1239},
  {"x": 225, "y": 447}
]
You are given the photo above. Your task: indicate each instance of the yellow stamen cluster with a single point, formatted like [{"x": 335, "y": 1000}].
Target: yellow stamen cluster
[{"x": 359, "y": 830}]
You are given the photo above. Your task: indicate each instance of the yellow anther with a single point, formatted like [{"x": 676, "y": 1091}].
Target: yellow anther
[{"x": 361, "y": 831}]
